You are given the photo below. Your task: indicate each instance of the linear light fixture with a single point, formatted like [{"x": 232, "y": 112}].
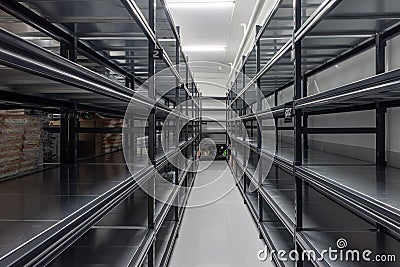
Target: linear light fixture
[
  {"x": 204, "y": 48},
  {"x": 100, "y": 38},
  {"x": 200, "y": 3},
  {"x": 42, "y": 38},
  {"x": 167, "y": 40}
]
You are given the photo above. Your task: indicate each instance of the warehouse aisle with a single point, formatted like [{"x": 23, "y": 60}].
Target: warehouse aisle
[{"x": 219, "y": 234}]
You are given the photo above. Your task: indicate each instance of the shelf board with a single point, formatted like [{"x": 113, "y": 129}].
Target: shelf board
[
  {"x": 82, "y": 195},
  {"x": 112, "y": 247},
  {"x": 320, "y": 224},
  {"x": 330, "y": 35},
  {"x": 359, "y": 184},
  {"x": 360, "y": 93}
]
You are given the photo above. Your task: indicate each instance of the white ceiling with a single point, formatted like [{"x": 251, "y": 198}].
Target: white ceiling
[{"x": 213, "y": 27}]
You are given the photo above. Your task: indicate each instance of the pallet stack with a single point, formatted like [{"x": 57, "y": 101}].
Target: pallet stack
[
  {"x": 20, "y": 142},
  {"x": 111, "y": 141}
]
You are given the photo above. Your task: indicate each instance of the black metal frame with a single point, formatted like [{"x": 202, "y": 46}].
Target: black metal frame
[
  {"x": 42, "y": 63},
  {"x": 338, "y": 100}
]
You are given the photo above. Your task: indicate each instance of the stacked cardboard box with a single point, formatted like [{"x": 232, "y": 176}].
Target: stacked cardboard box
[
  {"x": 111, "y": 141},
  {"x": 20, "y": 138},
  {"x": 100, "y": 143}
]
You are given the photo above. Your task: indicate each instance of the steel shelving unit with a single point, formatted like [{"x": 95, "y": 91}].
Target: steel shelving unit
[
  {"x": 299, "y": 40},
  {"x": 69, "y": 57}
]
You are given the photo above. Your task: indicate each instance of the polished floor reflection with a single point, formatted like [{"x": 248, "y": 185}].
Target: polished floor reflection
[{"x": 219, "y": 234}]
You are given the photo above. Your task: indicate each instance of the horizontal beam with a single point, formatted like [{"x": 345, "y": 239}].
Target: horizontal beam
[
  {"x": 20, "y": 106},
  {"x": 87, "y": 130},
  {"x": 272, "y": 128},
  {"x": 33, "y": 100},
  {"x": 25, "y": 56},
  {"x": 361, "y": 130},
  {"x": 355, "y": 51},
  {"x": 332, "y": 110},
  {"x": 40, "y": 103},
  {"x": 29, "y": 17},
  {"x": 213, "y": 132},
  {"x": 364, "y": 16}
]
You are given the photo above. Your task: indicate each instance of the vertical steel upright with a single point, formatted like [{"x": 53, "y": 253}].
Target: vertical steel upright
[
  {"x": 199, "y": 94},
  {"x": 242, "y": 107},
  {"x": 297, "y": 82},
  {"x": 228, "y": 117},
  {"x": 177, "y": 106},
  {"x": 187, "y": 97},
  {"x": 276, "y": 124},
  {"x": 259, "y": 96},
  {"x": 297, "y": 124},
  {"x": 236, "y": 123},
  {"x": 242, "y": 110},
  {"x": 192, "y": 106},
  {"x": 73, "y": 135},
  {"x": 380, "y": 143},
  {"x": 127, "y": 82},
  {"x": 197, "y": 127},
  {"x": 64, "y": 144},
  {"x": 200, "y": 102},
  {"x": 380, "y": 44},
  {"x": 259, "y": 125},
  {"x": 151, "y": 145},
  {"x": 73, "y": 51},
  {"x": 130, "y": 80},
  {"x": 69, "y": 117},
  {"x": 305, "y": 117}
]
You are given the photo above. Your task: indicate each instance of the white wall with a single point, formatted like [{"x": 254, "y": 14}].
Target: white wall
[
  {"x": 357, "y": 68},
  {"x": 212, "y": 87},
  {"x": 393, "y": 51},
  {"x": 260, "y": 17},
  {"x": 393, "y": 133}
]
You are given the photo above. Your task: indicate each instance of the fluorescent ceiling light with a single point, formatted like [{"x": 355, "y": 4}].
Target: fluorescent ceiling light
[
  {"x": 99, "y": 38},
  {"x": 167, "y": 40},
  {"x": 36, "y": 38},
  {"x": 200, "y": 3},
  {"x": 204, "y": 48}
]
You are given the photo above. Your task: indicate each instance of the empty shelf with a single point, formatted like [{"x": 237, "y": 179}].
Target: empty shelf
[
  {"x": 102, "y": 246},
  {"x": 41, "y": 200}
]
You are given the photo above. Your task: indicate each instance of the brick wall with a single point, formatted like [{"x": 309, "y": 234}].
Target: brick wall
[{"x": 20, "y": 142}]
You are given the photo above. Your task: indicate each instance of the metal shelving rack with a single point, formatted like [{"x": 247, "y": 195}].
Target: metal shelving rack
[
  {"x": 95, "y": 56},
  {"x": 299, "y": 40}
]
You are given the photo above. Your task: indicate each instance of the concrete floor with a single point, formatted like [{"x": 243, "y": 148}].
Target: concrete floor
[{"x": 222, "y": 233}]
